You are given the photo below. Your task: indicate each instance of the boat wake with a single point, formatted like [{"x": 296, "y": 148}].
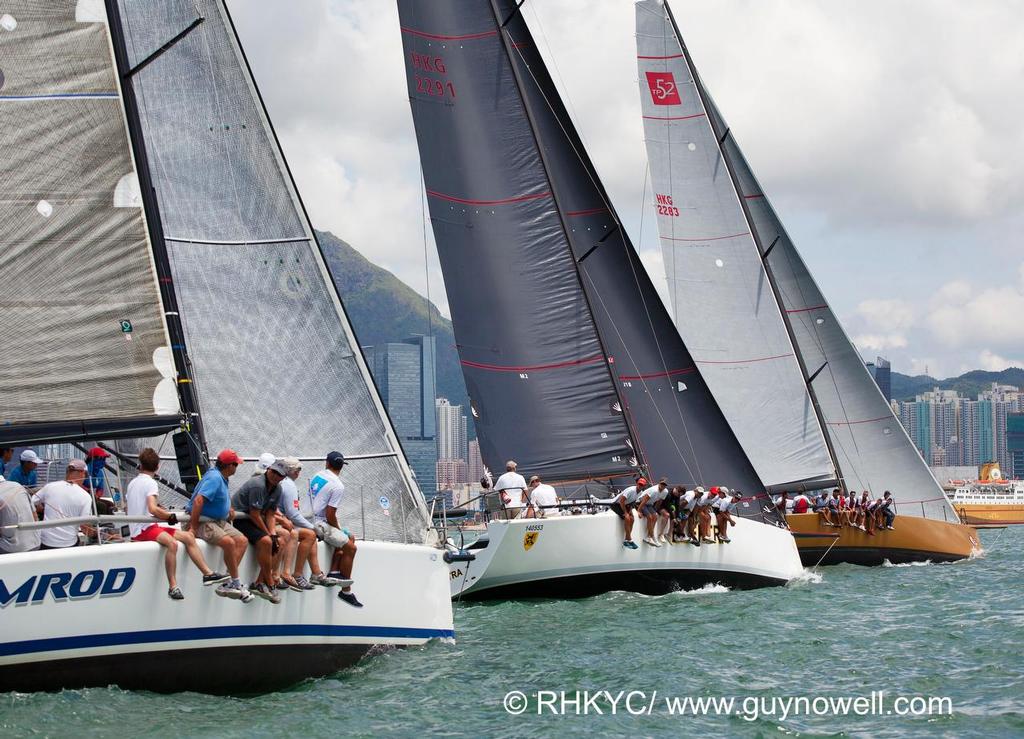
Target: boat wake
[
  {"x": 704, "y": 590},
  {"x": 927, "y": 562},
  {"x": 807, "y": 577}
]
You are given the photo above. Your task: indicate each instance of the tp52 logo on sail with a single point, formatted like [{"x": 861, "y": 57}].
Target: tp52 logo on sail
[
  {"x": 67, "y": 586},
  {"x": 663, "y": 88}
]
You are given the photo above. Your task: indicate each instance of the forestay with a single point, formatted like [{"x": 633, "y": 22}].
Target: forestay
[
  {"x": 277, "y": 367},
  {"x": 83, "y": 344},
  {"x": 722, "y": 302}
]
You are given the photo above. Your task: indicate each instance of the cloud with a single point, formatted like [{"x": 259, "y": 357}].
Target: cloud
[
  {"x": 963, "y": 315},
  {"x": 994, "y": 363}
]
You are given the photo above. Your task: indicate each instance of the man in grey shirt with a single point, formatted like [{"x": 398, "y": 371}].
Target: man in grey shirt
[
  {"x": 16, "y": 507},
  {"x": 258, "y": 497}
]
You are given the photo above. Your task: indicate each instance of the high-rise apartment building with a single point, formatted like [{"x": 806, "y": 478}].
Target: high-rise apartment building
[
  {"x": 1015, "y": 444},
  {"x": 404, "y": 373},
  {"x": 451, "y": 430},
  {"x": 475, "y": 463},
  {"x": 881, "y": 370}
]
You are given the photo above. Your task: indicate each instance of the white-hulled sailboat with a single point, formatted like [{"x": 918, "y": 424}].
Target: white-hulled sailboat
[
  {"x": 572, "y": 364},
  {"x": 147, "y": 209}
]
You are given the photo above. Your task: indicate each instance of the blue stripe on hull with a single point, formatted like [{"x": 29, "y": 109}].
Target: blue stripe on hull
[{"x": 87, "y": 641}]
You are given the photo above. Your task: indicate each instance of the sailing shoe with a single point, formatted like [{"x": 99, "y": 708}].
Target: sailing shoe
[
  {"x": 246, "y": 596},
  {"x": 289, "y": 583},
  {"x": 724, "y": 539},
  {"x": 215, "y": 577},
  {"x": 323, "y": 580},
  {"x": 260, "y": 589},
  {"x": 350, "y": 598},
  {"x": 630, "y": 544},
  {"x": 303, "y": 583},
  {"x": 175, "y": 594},
  {"x": 695, "y": 542},
  {"x": 706, "y": 540},
  {"x": 227, "y": 590},
  {"x": 654, "y": 543}
]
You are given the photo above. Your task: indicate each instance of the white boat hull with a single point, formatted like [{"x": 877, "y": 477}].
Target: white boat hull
[
  {"x": 580, "y": 556},
  {"x": 100, "y": 615}
]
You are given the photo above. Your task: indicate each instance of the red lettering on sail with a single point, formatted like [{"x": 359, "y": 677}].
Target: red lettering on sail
[
  {"x": 429, "y": 85},
  {"x": 663, "y": 88}
]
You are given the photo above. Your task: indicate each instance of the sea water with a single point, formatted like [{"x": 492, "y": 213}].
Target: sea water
[{"x": 622, "y": 665}]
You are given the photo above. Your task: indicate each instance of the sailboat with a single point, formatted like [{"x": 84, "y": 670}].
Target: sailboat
[
  {"x": 164, "y": 278},
  {"x": 572, "y": 364},
  {"x": 738, "y": 283}
]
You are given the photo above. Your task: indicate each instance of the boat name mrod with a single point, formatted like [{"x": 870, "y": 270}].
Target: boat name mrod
[{"x": 68, "y": 586}]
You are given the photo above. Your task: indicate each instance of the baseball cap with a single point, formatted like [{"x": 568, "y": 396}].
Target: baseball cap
[
  {"x": 263, "y": 463},
  {"x": 723, "y": 490},
  {"x": 279, "y": 467},
  {"x": 534, "y": 479},
  {"x": 698, "y": 489},
  {"x": 29, "y": 456},
  {"x": 641, "y": 481},
  {"x": 77, "y": 464},
  {"x": 97, "y": 453},
  {"x": 291, "y": 463},
  {"x": 229, "y": 456},
  {"x": 335, "y": 460}
]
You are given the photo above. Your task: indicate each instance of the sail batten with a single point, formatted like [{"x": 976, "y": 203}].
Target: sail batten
[
  {"x": 714, "y": 270},
  {"x": 82, "y": 334}
]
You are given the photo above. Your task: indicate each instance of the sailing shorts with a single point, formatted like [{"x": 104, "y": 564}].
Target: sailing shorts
[
  {"x": 213, "y": 531},
  {"x": 336, "y": 538},
  {"x": 648, "y": 510},
  {"x": 150, "y": 533}
]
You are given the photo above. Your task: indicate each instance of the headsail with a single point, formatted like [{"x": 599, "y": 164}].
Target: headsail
[
  {"x": 508, "y": 118},
  {"x": 84, "y": 350},
  {"x": 277, "y": 366},
  {"x": 714, "y": 271}
]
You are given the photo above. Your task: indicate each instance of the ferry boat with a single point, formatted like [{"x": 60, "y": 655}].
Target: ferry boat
[{"x": 990, "y": 504}]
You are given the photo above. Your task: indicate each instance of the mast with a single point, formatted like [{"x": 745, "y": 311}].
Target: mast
[
  {"x": 637, "y": 448},
  {"x": 720, "y": 137},
  {"x": 183, "y": 367}
]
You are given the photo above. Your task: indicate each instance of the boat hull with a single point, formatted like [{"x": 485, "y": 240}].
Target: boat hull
[
  {"x": 581, "y": 556},
  {"x": 984, "y": 514},
  {"x": 914, "y": 539},
  {"x": 97, "y": 616}
]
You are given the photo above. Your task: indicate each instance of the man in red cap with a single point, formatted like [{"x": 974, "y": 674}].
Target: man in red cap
[{"x": 212, "y": 500}]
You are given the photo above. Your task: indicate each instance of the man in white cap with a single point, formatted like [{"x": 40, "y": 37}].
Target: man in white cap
[
  {"x": 543, "y": 500},
  {"x": 25, "y": 473},
  {"x": 511, "y": 489},
  {"x": 623, "y": 504},
  {"x": 723, "y": 508},
  {"x": 301, "y": 546},
  {"x": 259, "y": 497},
  {"x": 64, "y": 499}
]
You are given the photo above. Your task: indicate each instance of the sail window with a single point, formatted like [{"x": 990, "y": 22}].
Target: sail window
[
  {"x": 90, "y": 11},
  {"x": 680, "y": 386},
  {"x": 127, "y": 193},
  {"x": 8, "y": 22},
  {"x": 44, "y": 208}
]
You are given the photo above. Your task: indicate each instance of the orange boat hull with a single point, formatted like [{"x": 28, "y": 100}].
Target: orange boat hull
[
  {"x": 914, "y": 539},
  {"x": 989, "y": 515}
]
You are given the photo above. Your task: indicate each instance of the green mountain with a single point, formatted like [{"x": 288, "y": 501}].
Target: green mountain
[
  {"x": 969, "y": 384},
  {"x": 384, "y": 309}
]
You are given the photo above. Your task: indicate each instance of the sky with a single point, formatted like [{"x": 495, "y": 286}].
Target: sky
[{"x": 887, "y": 134}]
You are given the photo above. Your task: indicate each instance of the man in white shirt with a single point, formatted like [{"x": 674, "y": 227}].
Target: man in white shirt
[
  {"x": 511, "y": 489},
  {"x": 64, "y": 499},
  {"x": 543, "y": 500},
  {"x": 623, "y": 505},
  {"x": 692, "y": 502},
  {"x": 704, "y": 511},
  {"x": 327, "y": 491},
  {"x": 650, "y": 505},
  {"x": 143, "y": 497},
  {"x": 723, "y": 508}
]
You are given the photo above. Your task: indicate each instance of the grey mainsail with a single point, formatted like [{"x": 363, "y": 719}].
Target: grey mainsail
[
  {"x": 714, "y": 271},
  {"x": 871, "y": 449},
  {"x": 496, "y": 115},
  {"x": 276, "y": 365},
  {"x": 84, "y": 349}
]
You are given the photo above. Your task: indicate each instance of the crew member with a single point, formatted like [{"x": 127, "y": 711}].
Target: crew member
[
  {"x": 327, "y": 491},
  {"x": 511, "y": 488},
  {"x": 64, "y": 499},
  {"x": 623, "y": 505}
]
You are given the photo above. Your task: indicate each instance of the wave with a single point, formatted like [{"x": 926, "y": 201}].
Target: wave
[
  {"x": 926, "y": 563},
  {"x": 704, "y": 590},
  {"x": 806, "y": 577}
]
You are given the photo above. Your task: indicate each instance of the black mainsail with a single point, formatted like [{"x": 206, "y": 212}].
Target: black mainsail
[{"x": 487, "y": 113}]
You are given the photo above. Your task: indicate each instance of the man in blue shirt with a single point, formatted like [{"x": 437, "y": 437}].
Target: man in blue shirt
[
  {"x": 25, "y": 473},
  {"x": 211, "y": 499},
  {"x": 6, "y": 453}
]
